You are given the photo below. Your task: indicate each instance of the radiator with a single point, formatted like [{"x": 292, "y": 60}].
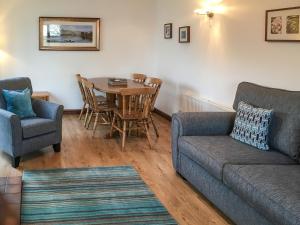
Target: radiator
[{"x": 190, "y": 103}]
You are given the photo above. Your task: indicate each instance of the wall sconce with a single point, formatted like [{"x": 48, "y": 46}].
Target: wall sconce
[
  {"x": 210, "y": 8},
  {"x": 210, "y": 14}
]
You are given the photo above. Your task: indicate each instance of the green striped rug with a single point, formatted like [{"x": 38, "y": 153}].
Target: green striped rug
[{"x": 106, "y": 195}]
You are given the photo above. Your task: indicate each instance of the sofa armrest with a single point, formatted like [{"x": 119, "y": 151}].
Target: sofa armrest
[
  {"x": 199, "y": 124},
  {"x": 10, "y": 133},
  {"x": 47, "y": 110}
]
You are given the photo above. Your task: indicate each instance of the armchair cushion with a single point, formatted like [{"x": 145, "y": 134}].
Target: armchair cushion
[
  {"x": 19, "y": 102},
  {"x": 214, "y": 152},
  {"x": 37, "y": 126}
]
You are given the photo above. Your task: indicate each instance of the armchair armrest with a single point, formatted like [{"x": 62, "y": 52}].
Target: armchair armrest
[
  {"x": 11, "y": 133},
  {"x": 199, "y": 124},
  {"x": 47, "y": 110}
]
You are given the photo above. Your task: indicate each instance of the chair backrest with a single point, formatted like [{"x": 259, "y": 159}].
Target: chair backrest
[
  {"x": 285, "y": 126},
  {"x": 19, "y": 83},
  {"x": 79, "y": 81},
  {"x": 89, "y": 90},
  {"x": 155, "y": 83},
  {"x": 140, "y": 78},
  {"x": 136, "y": 101}
]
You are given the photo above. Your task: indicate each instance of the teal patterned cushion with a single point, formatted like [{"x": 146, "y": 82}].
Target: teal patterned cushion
[
  {"x": 251, "y": 126},
  {"x": 19, "y": 103}
]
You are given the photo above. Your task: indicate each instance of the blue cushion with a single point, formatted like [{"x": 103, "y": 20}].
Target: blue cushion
[
  {"x": 252, "y": 126},
  {"x": 19, "y": 103}
]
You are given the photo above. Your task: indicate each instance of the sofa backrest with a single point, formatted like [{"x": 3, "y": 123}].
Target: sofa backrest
[
  {"x": 285, "y": 126},
  {"x": 19, "y": 83}
]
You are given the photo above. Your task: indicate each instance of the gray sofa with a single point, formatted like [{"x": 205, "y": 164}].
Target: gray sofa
[
  {"x": 250, "y": 186},
  {"x": 19, "y": 137}
]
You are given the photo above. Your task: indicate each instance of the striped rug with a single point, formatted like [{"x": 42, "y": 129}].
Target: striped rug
[{"x": 106, "y": 195}]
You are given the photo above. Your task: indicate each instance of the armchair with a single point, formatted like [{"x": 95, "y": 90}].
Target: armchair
[{"x": 21, "y": 136}]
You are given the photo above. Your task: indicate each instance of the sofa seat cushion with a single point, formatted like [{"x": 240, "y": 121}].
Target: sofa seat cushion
[
  {"x": 37, "y": 126},
  {"x": 214, "y": 152},
  {"x": 273, "y": 190}
]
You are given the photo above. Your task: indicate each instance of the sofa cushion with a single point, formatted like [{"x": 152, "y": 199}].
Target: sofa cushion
[
  {"x": 251, "y": 126},
  {"x": 273, "y": 190},
  {"x": 37, "y": 126},
  {"x": 214, "y": 152},
  {"x": 285, "y": 127}
]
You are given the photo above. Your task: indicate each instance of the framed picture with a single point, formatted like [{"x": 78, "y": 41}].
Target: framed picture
[
  {"x": 184, "y": 34},
  {"x": 168, "y": 30},
  {"x": 69, "y": 34},
  {"x": 283, "y": 24}
]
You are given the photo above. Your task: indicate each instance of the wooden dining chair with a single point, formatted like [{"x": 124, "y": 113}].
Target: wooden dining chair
[
  {"x": 86, "y": 106},
  {"x": 135, "y": 108},
  {"x": 98, "y": 109},
  {"x": 84, "y": 99},
  {"x": 139, "y": 78},
  {"x": 154, "y": 83}
]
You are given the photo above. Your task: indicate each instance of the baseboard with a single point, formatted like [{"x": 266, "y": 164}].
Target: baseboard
[
  {"x": 72, "y": 111},
  {"x": 163, "y": 114}
]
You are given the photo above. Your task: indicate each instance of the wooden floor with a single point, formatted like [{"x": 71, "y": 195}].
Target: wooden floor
[{"x": 79, "y": 149}]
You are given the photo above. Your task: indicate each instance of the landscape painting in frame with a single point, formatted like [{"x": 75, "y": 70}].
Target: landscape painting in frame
[
  {"x": 283, "y": 24},
  {"x": 69, "y": 34}
]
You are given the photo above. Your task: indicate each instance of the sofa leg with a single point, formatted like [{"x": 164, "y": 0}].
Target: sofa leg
[
  {"x": 57, "y": 147},
  {"x": 15, "y": 162}
]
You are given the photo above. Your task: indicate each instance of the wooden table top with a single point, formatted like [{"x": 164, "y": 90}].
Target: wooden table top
[{"x": 101, "y": 84}]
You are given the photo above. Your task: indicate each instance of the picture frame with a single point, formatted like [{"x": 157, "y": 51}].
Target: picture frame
[
  {"x": 69, "y": 34},
  {"x": 185, "y": 34},
  {"x": 283, "y": 25},
  {"x": 168, "y": 31}
]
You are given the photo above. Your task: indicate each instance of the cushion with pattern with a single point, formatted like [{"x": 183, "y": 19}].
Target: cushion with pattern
[{"x": 252, "y": 126}]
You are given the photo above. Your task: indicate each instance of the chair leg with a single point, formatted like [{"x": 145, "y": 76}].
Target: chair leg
[
  {"x": 147, "y": 133},
  {"x": 15, "y": 162},
  {"x": 57, "y": 147},
  {"x": 154, "y": 126},
  {"x": 112, "y": 126},
  {"x": 86, "y": 116},
  {"x": 89, "y": 120},
  {"x": 82, "y": 110},
  {"x": 95, "y": 124},
  {"x": 124, "y": 135}
]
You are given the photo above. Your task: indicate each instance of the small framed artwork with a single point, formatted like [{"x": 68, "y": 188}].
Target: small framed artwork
[
  {"x": 283, "y": 25},
  {"x": 184, "y": 34},
  {"x": 69, "y": 34},
  {"x": 168, "y": 30}
]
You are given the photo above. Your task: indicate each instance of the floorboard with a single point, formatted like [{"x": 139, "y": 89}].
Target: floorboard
[{"x": 80, "y": 149}]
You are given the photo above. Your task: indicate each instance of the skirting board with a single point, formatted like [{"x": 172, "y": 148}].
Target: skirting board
[
  {"x": 163, "y": 114},
  {"x": 157, "y": 111},
  {"x": 71, "y": 111}
]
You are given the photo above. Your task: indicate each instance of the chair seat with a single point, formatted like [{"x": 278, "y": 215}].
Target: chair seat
[
  {"x": 101, "y": 99},
  {"x": 37, "y": 126},
  {"x": 214, "y": 152},
  {"x": 272, "y": 190}
]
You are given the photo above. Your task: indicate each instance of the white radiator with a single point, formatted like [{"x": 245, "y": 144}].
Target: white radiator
[{"x": 190, "y": 103}]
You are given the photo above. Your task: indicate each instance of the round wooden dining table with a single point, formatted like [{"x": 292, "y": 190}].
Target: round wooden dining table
[{"x": 101, "y": 84}]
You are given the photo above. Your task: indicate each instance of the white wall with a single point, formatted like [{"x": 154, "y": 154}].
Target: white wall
[
  {"x": 126, "y": 43},
  {"x": 222, "y": 53}
]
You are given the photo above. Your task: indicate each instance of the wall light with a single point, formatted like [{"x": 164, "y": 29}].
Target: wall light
[
  {"x": 210, "y": 14},
  {"x": 210, "y": 8}
]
